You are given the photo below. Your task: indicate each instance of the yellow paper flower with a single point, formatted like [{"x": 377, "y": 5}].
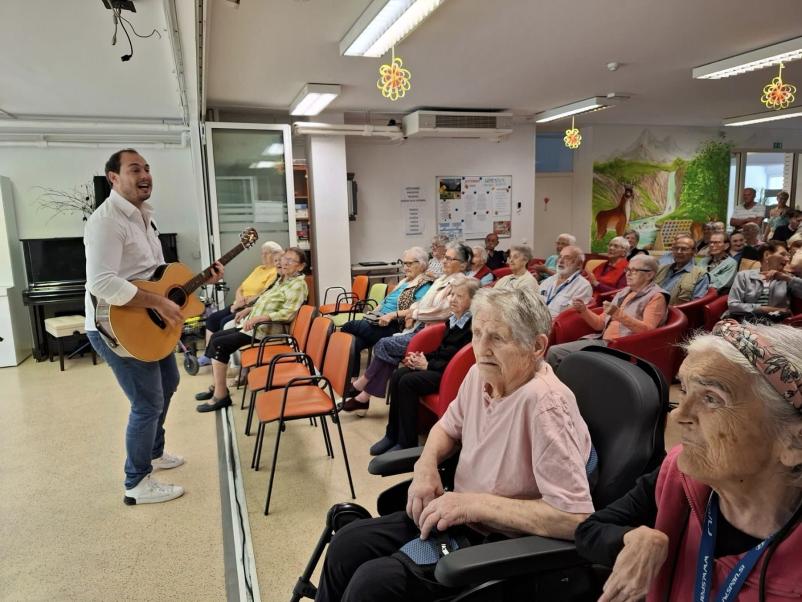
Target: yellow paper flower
[
  {"x": 572, "y": 137},
  {"x": 778, "y": 95},
  {"x": 394, "y": 79}
]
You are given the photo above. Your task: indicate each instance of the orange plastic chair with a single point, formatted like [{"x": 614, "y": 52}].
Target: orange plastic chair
[
  {"x": 344, "y": 300},
  {"x": 281, "y": 370},
  {"x": 260, "y": 352},
  {"x": 307, "y": 397}
]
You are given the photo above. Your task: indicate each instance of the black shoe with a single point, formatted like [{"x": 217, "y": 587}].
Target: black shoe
[
  {"x": 205, "y": 395},
  {"x": 351, "y": 390},
  {"x": 353, "y": 405},
  {"x": 381, "y": 446},
  {"x": 217, "y": 405}
]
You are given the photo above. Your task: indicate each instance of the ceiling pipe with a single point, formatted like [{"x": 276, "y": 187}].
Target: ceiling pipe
[
  {"x": 392, "y": 132},
  {"x": 91, "y": 126},
  {"x": 44, "y": 143}
]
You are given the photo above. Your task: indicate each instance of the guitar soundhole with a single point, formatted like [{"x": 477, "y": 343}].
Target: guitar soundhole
[{"x": 178, "y": 296}]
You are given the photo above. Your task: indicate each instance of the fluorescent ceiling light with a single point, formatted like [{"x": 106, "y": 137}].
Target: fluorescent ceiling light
[
  {"x": 275, "y": 149},
  {"x": 594, "y": 103},
  {"x": 313, "y": 98},
  {"x": 790, "y": 50},
  {"x": 764, "y": 117},
  {"x": 263, "y": 164},
  {"x": 384, "y": 24}
]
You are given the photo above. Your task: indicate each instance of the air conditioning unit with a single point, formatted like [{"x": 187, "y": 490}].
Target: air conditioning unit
[{"x": 456, "y": 124}]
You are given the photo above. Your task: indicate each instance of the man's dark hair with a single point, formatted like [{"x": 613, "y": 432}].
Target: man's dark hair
[
  {"x": 771, "y": 247},
  {"x": 113, "y": 164},
  {"x": 793, "y": 213}
]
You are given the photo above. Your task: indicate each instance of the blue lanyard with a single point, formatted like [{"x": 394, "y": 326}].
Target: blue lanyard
[
  {"x": 705, "y": 564},
  {"x": 550, "y": 296}
]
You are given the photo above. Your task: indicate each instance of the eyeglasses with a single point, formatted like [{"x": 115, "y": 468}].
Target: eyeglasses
[
  {"x": 682, "y": 249},
  {"x": 289, "y": 260},
  {"x": 633, "y": 270},
  {"x": 447, "y": 258},
  {"x": 408, "y": 264}
]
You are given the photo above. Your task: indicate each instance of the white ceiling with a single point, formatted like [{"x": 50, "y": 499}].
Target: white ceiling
[
  {"x": 56, "y": 59},
  {"x": 522, "y": 55}
]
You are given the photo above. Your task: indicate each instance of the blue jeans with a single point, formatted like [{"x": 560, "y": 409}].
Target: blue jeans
[{"x": 149, "y": 387}]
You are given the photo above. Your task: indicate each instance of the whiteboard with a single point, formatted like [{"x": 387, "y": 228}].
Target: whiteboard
[{"x": 471, "y": 207}]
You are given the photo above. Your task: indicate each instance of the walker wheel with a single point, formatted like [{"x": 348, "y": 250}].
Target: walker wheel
[{"x": 191, "y": 364}]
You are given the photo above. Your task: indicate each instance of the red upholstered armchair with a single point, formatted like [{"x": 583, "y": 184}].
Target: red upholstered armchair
[
  {"x": 427, "y": 339},
  {"x": 713, "y": 311},
  {"x": 695, "y": 310},
  {"x": 657, "y": 346},
  {"x": 500, "y": 273}
]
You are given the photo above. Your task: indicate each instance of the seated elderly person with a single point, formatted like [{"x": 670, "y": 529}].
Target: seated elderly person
[
  {"x": 567, "y": 284},
  {"x": 389, "y": 351},
  {"x": 278, "y": 304},
  {"x": 764, "y": 295},
  {"x": 737, "y": 472},
  {"x": 640, "y": 307},
  {"x": 262, "y": 277},
  {"x": 520, "y": 256},
  {"x": 786, "y": 231},
  {"x": 434, "y": 269},
  {"x": 522, "y": 467},
  {"x": 683, "y": 280},
  {"x": 753, "y": 242},
  {"x": 479, "y": 269},
  {"x": 389, "y": 318},
  {"x": 721, "y": 268},
  {"x": 420, "y": 373},
  {"x": 610, "y": 274},
  {"x": 495, "y": 259},
  {"x": 633, "y": 238},
  {"x": 701, "y": 244},
  {"x": 549, "y": 268}
]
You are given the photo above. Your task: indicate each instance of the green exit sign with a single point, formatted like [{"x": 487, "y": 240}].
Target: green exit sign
[{"x": 777, "y": 145}]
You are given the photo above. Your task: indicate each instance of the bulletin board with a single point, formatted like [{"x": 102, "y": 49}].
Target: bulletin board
[{"x": 470, "y": 207}]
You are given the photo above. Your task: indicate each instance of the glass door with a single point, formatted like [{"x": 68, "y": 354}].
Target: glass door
[{"x": 250, "y": 184}]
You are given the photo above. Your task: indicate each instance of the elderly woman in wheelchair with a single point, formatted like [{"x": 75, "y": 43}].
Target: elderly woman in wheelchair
[{"x": 523, "y": 467}]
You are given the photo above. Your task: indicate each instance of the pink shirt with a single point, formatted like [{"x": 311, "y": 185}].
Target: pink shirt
[{"x": 531, "y": 444}]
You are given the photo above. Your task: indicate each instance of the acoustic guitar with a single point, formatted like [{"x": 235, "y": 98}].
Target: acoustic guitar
[{"x": 140, "y": 332}]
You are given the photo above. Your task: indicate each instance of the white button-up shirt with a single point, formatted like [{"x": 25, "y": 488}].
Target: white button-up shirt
[
  {"x": 121, "y": 245},
  {"x": 558, "y": 297}
]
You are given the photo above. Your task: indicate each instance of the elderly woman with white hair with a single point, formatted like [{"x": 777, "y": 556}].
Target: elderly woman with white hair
[
  {"x": 479, "y": 269},
  {"x": 722, "y": 514},
  {"x": 610, "y": 275},
  {"x": 260, "y": 279},
  {"x": 435, "y": 267},
  {"x": 434, "y": 306},
  {"x": 520, "y": 256},
  {"x": 389, "y": 317},
  {"x": 549, "y": 267},
  {"x": 522, "y": 468}
]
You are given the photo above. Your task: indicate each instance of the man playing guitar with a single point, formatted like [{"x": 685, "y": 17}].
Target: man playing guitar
[{"x": 122, "y": 244}]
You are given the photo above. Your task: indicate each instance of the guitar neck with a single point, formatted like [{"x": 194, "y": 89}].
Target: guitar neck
[{"x": 197, "y": 280}]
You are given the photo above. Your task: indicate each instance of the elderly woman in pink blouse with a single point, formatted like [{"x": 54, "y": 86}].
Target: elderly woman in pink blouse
[{"x": 522, "y": 467}]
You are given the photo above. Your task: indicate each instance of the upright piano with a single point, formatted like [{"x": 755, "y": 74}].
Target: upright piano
[{"x": 56, "y": 272}]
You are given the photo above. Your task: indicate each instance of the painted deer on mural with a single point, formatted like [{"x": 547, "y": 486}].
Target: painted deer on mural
[{"x": 615, "y": 218}]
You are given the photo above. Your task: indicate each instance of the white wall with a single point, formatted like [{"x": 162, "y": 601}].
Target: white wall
[
  {"x": 383, "y": 168},
  {"x": 174, "y": 197}
]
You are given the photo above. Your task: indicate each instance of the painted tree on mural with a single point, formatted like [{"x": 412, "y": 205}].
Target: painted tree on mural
[{"x": 704, "y": 185}]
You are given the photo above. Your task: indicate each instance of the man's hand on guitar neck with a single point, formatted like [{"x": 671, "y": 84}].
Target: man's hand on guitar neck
[{"x": 217, "y": 270}]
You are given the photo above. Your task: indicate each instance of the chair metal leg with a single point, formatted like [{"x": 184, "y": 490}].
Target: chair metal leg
[
  {"x": 250, "y": 413},
  {"x": 326, "y": 437},
  {"x": 257, "y": 449},
  {"x": 336, "y": 420},
  {"x": 273, "y": 467},
  {"x": 242, "y": 403}
]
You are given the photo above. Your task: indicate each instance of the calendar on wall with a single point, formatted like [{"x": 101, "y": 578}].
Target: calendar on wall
[{"x": 471, "y": 207}]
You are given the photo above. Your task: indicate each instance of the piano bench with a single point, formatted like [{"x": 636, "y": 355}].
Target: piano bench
[{"x": 67, "y": 326}]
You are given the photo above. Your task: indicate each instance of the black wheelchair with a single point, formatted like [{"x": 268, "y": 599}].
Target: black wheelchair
[{"x": 624, "y": 401}]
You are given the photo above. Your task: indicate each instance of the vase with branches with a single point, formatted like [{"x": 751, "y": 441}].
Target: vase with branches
[{"x": 80, "y": 199}]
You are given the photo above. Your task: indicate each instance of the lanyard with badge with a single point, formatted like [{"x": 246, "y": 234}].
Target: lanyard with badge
[
  {"x": 733, "y": 583},
  {"x": 553, "y": 293}
]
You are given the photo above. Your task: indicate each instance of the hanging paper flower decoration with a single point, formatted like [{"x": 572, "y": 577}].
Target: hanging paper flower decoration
[
  {"x": 394, "y": 79},
  {"x": 778, "y": 95},
  {"x": 572, "y": 137}
]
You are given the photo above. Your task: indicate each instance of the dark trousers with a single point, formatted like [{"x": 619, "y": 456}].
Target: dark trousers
[
  {"x": 366, "y": 335},
  {"x": 215, "y": 321},
  {"x": 406, "y": 388},
  {"x": 360, "y": 567},
  {"x": 225, "y": 342}
]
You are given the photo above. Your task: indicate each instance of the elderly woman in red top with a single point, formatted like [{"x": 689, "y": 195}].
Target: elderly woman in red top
[
  {"x": 521, "y": 469},
  {"x": 720, "y": 519},
  {"x": 610, "y": 275}
]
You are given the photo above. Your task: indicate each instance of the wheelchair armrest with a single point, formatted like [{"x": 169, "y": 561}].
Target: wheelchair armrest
[
  {"x": 395, "y": 462},
  {"x": 504, "y": 559}
]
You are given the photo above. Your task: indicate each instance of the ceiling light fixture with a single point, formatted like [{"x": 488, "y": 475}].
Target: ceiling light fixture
[
  {"x": 790, "y": 50},
  {"x": 764, "y": 117},
  {"x": 594, "y": 103},
  {"x": 383, "y": 24},
  {"x": 275, "y": 149},
  {"x": 313, "y": 98}
]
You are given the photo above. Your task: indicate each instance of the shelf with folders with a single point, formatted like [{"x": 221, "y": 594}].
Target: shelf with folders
[{"x": 303, "y": 229}]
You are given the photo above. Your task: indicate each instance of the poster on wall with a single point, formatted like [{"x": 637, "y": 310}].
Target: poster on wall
[
  {"x": 660, "y": 189},
  {"x": 470, "y": 207},
  {"x": 413, "y": 204}
]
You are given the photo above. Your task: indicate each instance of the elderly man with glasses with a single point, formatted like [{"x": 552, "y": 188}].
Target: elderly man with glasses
[
  {"x": 721, "y": 268},
  {"x": 640, "y": 307},
  {"x": 683, "y": 280}
]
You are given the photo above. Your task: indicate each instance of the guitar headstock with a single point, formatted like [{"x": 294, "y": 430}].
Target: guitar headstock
[{"x": 248, "y": 237}]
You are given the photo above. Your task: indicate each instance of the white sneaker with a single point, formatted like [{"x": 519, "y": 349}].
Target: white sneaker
[
  {"x": 151, "y": 491},
  {"x": 166, "y": 461}
]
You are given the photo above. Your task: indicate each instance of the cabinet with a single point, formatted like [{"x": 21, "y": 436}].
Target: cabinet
[{"x": 302, "y": 206}]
